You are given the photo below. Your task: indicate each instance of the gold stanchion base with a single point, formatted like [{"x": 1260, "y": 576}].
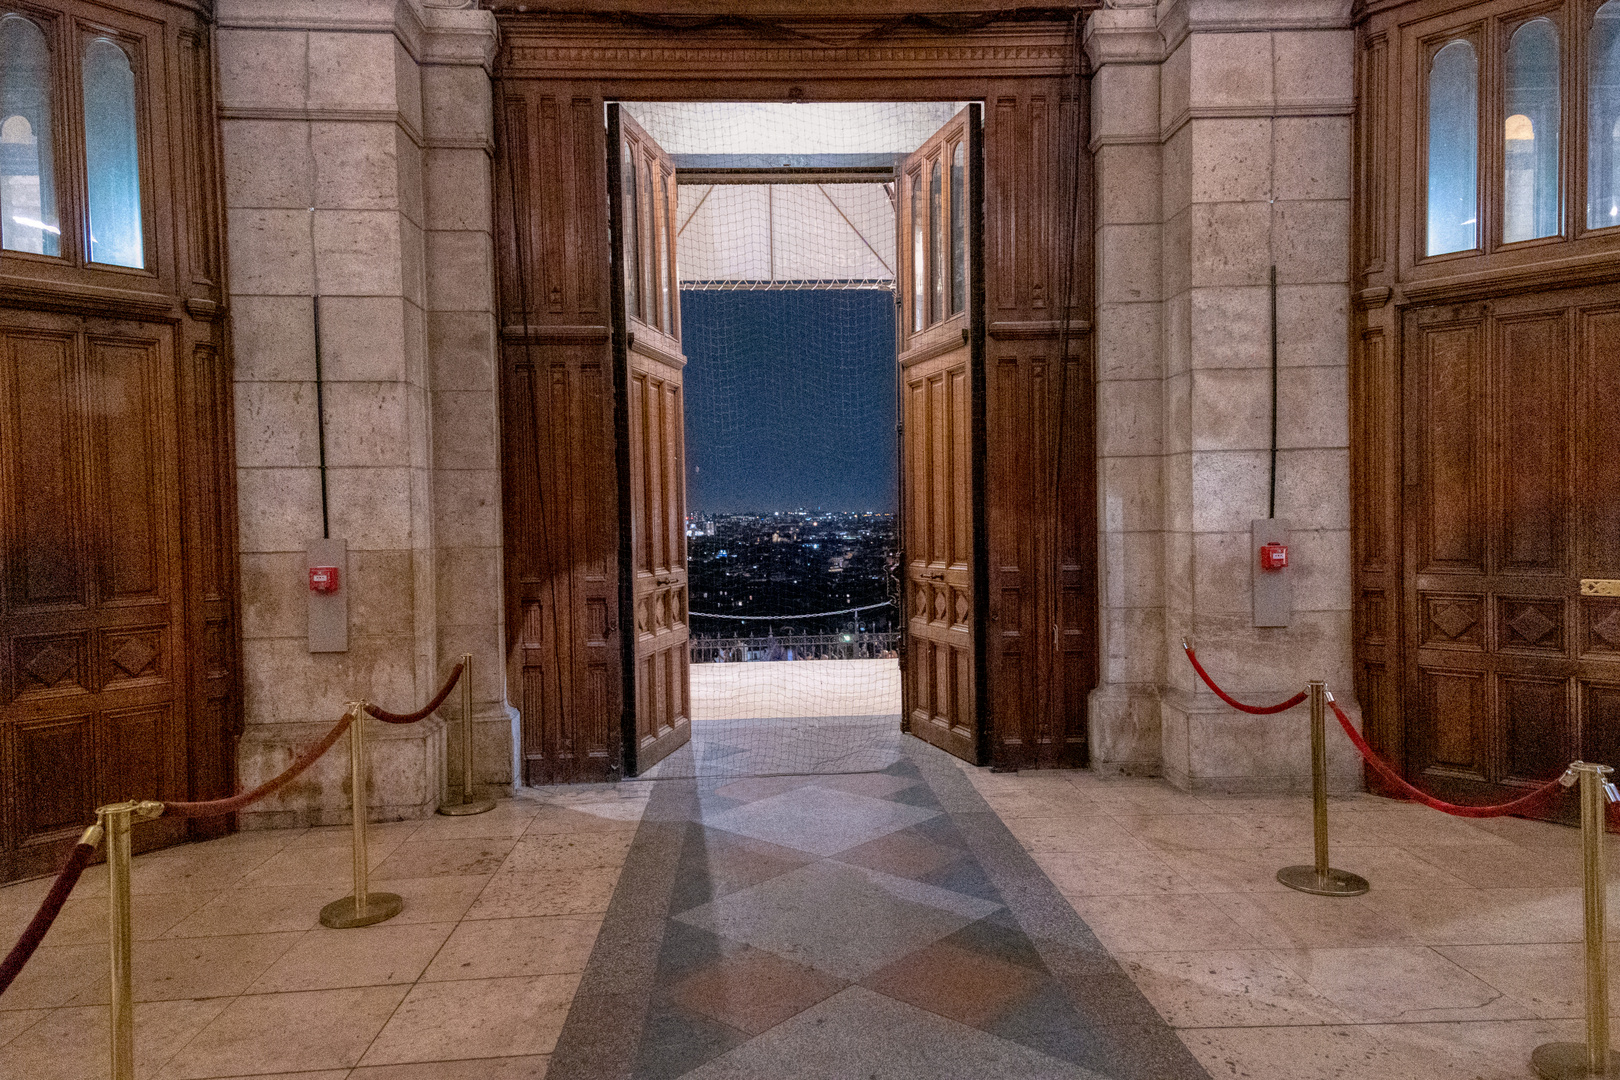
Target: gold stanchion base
[
  {"x": 380, "y": 907},
  {"x": 1336, "y": 883},
  {"x": 462, "y": 809},
  {"x": 1568, "y": 1061}
]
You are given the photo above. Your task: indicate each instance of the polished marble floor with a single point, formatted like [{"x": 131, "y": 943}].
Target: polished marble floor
[{"x": 925, "y": 920}]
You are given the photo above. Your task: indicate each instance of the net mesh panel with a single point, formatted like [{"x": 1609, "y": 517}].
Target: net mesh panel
[{"x": 787, "y": 315}]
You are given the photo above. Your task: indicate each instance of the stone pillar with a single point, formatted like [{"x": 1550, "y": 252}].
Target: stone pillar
[
  {"x": 1253, "y": 152},
  {"x": 1126, "y": 50},
  {"x": 329, "y": 162},
  {"x": 459, "y": 134}
]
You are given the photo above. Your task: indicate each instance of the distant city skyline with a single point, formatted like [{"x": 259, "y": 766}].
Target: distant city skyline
[{"x": 789, "y": 401}]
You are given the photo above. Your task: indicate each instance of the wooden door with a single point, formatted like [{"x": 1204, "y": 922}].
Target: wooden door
[
  {"x": 93, "y": 707},
  {"x": 651, "y": 445},
  {"x": 940, "y": 196},
  {"x": 1511, "y": 500}
]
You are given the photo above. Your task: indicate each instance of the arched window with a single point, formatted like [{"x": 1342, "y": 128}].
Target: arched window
[
  {"x": 936, "y": 245},
  {"x": 650, "y": 282},
  {"x": 1530, "y": 136},
  {"x": 1603, "y": 119},
  {"x": 664, "y": 257},
  {"x": 28, "y": 217},
  {"x": 632, "y": 235},
  {"x": 1453, "y": 149},
  {"x": 958, "y": 230},
  {"x": 112, "y": 156},
  {"x": 918, "y": 282}
]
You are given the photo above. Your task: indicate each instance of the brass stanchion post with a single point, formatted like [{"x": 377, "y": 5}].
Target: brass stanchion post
[
  {"x": 363, "y": 907},
  {"x": 467, "y": 805},
  {"x": 1566, "y": 1060},
  {"x": 1321, "y": 879},
  {"x": 117, "y": 820}
]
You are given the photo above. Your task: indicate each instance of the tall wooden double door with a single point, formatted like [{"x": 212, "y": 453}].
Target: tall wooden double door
[
  {"x": 115, "y": 594},
  {"x": 1513, "y": 500},
  {"x": 999, "y": 557}
]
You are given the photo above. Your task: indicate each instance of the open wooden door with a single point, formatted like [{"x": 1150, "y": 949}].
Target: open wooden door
[
  {"x": 647, "y": 365},
  {"x": 939, "y": 203}
]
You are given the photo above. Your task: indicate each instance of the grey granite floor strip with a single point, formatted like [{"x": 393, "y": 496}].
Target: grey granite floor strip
[
  {"x": 599, "y": 1040},
  {"x": 1123, "y": 1038},
  {"x": 1098, "y": 987}
]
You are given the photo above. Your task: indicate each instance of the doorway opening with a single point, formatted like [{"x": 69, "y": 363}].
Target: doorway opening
[{"x": 784, "y": 228}]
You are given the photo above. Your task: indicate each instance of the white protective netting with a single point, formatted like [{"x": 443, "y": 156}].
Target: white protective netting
[{"x": 790, "y": 412}]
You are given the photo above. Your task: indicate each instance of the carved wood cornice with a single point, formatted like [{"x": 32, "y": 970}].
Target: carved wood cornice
[{"x": 578, "y": 47}]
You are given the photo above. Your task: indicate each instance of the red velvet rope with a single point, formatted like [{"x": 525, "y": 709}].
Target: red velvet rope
[
  {"x": 1257, "y": 710},
  {"x": 1522, "y": 804},
  {"x": 40, "y": 924},
  {"x": 216, "y": 807},
  {"x": 410, "y": 718}
]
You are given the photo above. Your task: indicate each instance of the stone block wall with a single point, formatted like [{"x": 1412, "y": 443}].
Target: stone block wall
[
  {"x": 357, "y": 139},
  {"x": 1221, "y": 130}
]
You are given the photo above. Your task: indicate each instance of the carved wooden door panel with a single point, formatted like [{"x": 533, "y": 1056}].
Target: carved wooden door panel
[
  {"x": 1513, "y": 409},
  {"x": 92, "y": 620},
  {"x": 939, "y": 217},
  {"x": 652, "y": 447}
]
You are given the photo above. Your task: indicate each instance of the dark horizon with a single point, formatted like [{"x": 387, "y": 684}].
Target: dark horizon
[{"x": 789, "y": 401}]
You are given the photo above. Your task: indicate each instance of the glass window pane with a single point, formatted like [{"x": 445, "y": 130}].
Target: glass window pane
[
  {"x": 632, "y": 236},
  {"x": 1603, "y": 139},
  {"x": 664, "y": 255},
  {"x": 958, "y": 230},
  {"x": 1530, "y": 137},
  {"x": 28, "y": 220},
  {"x": 650, "y": 282},
  {"x": 111, "y": 157},
  {"x": 936, "y": 243},
  {"x": 917, "y": 264},
  {"x": 1453, "y": 149}
]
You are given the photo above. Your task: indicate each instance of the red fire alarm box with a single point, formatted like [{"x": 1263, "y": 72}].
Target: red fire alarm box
[
  {"x": 1273, "y": 556},
  {"x": 323, "y": 579}
]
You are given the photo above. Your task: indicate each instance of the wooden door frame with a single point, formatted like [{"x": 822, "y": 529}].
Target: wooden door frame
[{"x": 553, "y": 76}]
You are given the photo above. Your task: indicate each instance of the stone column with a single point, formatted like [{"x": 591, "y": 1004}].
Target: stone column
[
  {"x": 459, "y": 134},
  {"x": 326, "y": 146},
  {"x": 1125, "y": 50},
  {"x": 1253, "y": 116}
]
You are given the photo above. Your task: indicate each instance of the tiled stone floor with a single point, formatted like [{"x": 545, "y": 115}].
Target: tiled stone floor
[
  {"x": 234, "y": 976},
  {"x": 1461, "y": 959},
  {"x": 746, "y": 920}
]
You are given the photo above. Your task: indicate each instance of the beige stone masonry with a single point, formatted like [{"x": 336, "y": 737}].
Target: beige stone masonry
[
  {"x": 1221, "y": 135},
  {"x": 357, "y": 143}
]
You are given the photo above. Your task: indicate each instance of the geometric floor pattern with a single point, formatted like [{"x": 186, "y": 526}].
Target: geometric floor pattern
[{"x": 880, "y": 924}]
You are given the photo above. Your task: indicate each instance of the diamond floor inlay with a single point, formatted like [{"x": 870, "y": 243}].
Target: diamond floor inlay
[{"x": 862, "y": 925}]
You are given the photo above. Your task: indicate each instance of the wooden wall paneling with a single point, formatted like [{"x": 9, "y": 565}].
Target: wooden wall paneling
[{"x": 132, "y": 520}]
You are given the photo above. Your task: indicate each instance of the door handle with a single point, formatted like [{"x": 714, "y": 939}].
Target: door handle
[{"x": 937, "y": 575}]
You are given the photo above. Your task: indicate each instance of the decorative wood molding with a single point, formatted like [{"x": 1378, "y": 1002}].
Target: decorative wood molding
[
  {"x": 86, "y": 299},
  {"x": 584, "y": 47},
  {"x": 650, "y": 347},
  {"x": 558, "y": 335},
  {"x": 1049, "y": 329},
  {"x": 1595, "y": 269}
]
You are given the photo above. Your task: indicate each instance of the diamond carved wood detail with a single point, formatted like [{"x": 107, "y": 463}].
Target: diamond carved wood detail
[
  {"x": 1454, "y": 619},
  {"x": 132, "y": 655},
  {"x": 51, "y": 664},
  {"x": 1531, "y": 624},
  {"x": 1608, "y": 628}
]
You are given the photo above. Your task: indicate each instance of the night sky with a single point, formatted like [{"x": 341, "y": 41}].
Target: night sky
[{"x": 789, "y": 400}]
